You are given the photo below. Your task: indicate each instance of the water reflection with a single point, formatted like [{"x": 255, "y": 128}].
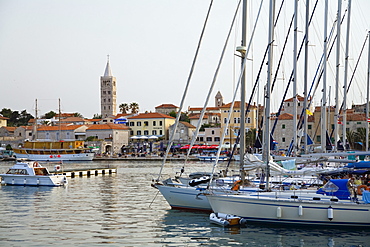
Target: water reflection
[{"x": 117, "y": 209}]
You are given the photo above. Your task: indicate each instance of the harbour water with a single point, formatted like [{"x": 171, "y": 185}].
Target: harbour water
[{"x": 124, "y": 210}]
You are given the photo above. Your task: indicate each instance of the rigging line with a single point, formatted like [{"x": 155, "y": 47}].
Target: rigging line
[
  {"x": 291, "y": 75},
  {"x": 253, "y": 91},
  {"x": 185, "y": 92},
  {"x": 282, "y": 53},
  {"x": 195, "y": 135},
  {"x": 235, "y": 93},
  {"x": 301, "y": 119}
]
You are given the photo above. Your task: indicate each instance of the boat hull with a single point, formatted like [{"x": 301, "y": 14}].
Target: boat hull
[
  {"x": 292, "y": 212},
  {"x": 57, "y": 157},
  {"x": 27, "y": 180},
  {"x": 188, "y": 198}
]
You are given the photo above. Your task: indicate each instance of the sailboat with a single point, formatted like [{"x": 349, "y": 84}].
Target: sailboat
[{"x": 339, "y": 203}]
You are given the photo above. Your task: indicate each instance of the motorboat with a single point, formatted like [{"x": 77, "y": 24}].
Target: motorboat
[{"x": 30, "y": 173}]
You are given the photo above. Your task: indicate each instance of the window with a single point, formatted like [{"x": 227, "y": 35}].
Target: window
[
  {"x": 154, "y": 132},
  {"x": 146, "y": 123},
  {"x": 160, "y": 132},
  {"x": 213, "y": 132},
  {"x": 209, "y": 139},
  {"x": 160, "y": 123},
  {"x": 154, "y": 123},
  {"x": 283, "y": 126},
  {"x": 108, "y": 92},
  {"x": 132, "y": 123},
  {"x": 283, "y": 139},
  {"x": 217, "y": 139},
  {"x": 309, "y": 126},
  {"x": 138, "y": 123},
  {"x": 318, "y": 138},
  {"x": 104, "y": 92},
  {"x": 131, "y": 132},
  {"x": 138, "y": 132},
  {"x": 146, "y": 132},
  {"x": 201, "y": 138},
  {"x": 248, "y": 120},
  {"x": 225, "y": 120}
]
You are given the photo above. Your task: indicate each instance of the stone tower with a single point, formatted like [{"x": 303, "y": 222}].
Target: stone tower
[
  {"x": 219, "y": 100},
  {"x": 108, "y": 93}
]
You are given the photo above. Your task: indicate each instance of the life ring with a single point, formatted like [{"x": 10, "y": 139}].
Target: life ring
[
  {"x": 359, "y": 189},
  {"x": 35, "y": 164},
  {"x": 236, "y": 185}
]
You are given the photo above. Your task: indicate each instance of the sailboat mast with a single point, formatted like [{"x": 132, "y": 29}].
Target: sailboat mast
[
  {"x": 267, "y": 135},
  {"x": 305, "y": 94},
  {"x": 60, "y": 127},
  {"x": 367, "y": 96},
  {"x": 295, "y": 77},
  {"x": 323, "y": 100},
  {"x": 34, "y": 136},
  {"x": 344, "y": 119},
  {"x": 336, "y": 113},
  {"x": 242, "y": 92}
]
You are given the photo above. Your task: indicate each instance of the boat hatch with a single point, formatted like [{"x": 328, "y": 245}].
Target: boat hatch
[{"x": 41, "y": 171}]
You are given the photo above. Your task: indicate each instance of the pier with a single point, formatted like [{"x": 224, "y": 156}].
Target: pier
[{"x": 86, "y": 172}]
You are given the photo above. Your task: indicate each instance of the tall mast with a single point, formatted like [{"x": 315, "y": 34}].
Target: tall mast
[
  {"x": 60, "y": 130},
  {"x": 323, "y": 100},
  {"x": 367, "y": 97},
  {"x": 242, "y": 92},
  {"x": 336, "y": 113},
  {"x": 34, "y": 136},
  {"x": 295, "y": 78},
  {"x": 344, "y": 120},
  {"x": 268, "y": 92},
  {"x": 305, "y": 94}
]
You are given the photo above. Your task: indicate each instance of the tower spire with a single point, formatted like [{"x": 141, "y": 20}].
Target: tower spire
[{"x": 108, "y": 71}]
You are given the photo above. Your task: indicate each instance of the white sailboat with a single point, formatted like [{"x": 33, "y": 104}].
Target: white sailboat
[{"x": 338, "y": 203}]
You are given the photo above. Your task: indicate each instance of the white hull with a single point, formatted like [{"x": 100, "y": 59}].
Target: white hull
[
  {"x": 58, "y": 157},
  {"x": 189, "y": 198},
  {"x": 289, "y": 211},
  {"x": 27, "y": 180}
]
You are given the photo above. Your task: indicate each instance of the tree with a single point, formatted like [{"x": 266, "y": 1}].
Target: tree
[
  {"x": 123, "y": 108},
  {"x": 351, "y": 138},
  {"x": 77, "y": 114},
  {"x": 134, "y": 107},
  {"x": 49, "y": 115},
  {"x": 97, "y": 116},
  {"x": 15, "y": 118},
  {"x": 361, "y": 137}
]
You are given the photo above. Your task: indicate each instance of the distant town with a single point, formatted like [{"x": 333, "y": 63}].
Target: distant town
[{"x": 129, "y": 131}]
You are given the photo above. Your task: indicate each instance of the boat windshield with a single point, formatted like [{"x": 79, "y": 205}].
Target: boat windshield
[
  {"x": 41, "y": 171},
  {"x": 18, "y": 171}
]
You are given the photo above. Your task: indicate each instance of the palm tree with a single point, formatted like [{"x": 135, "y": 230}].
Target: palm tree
[
  {"x": 351, "y": 137},
  {"x": 361, "y": 136},
  {"x": 134, "y": 107},
  {"x": 124, "y": 108}
]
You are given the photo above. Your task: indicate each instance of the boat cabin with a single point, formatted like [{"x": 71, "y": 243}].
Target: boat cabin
[{"x": 28, "y": 168}]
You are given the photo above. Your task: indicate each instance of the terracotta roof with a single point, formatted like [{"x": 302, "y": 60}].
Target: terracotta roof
[
  {"x": 166, "y": 106},
  {"x": 299, "y": 97},
  {"x": 150, "y": 115},
  {"x": 187, "y": 124},
  {"x": 55, "y": 128},
  {"x": 72, "y": 119},
  {"x": 237, "y": 104},
  {"x": 206, "y": 115},
  {"x": 201, "y": 108},
  {"x": 10, "y": 129},
  {"x": 3, "y": 118},
  {"x": 108, "y": 126}
]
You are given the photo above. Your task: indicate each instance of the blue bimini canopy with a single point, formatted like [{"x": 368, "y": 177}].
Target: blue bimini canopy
[
  {"x": 336, "y": 187},
  {"x": 359, "y": 165}
]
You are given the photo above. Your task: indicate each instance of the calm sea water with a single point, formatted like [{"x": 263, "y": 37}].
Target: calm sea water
[{"x": 124, "y": 210}]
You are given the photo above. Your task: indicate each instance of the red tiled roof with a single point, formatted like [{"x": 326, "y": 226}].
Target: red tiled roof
[
  {"x": 166, "y": 106},
  {"x": 150, "y": 115},
  {"x": 108, "y": 126},
  {"x": 237, "y": 104},
  {"x": 201, "y": 108},
  {"x": 1, "y": 117}
]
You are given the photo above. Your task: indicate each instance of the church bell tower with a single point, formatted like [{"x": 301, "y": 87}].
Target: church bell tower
[{"x": 108, "y": 93}]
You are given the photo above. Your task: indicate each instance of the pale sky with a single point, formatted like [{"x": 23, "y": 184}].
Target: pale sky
[{"x": 52, "y": 50}]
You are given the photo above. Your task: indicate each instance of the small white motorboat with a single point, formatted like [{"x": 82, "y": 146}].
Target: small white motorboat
[
  {"x": 28, "y": 173},
  {"x": 226, "y": 220}
]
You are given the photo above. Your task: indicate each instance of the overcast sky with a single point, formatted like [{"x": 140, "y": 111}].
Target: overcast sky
[{"x": 52, "y": 50}]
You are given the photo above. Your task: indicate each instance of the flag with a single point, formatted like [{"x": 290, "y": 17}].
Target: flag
[
  {"x": 340, "y": 122},
  {"x": 368, "y": 120},
  {"x": 308, "y": 112}
]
